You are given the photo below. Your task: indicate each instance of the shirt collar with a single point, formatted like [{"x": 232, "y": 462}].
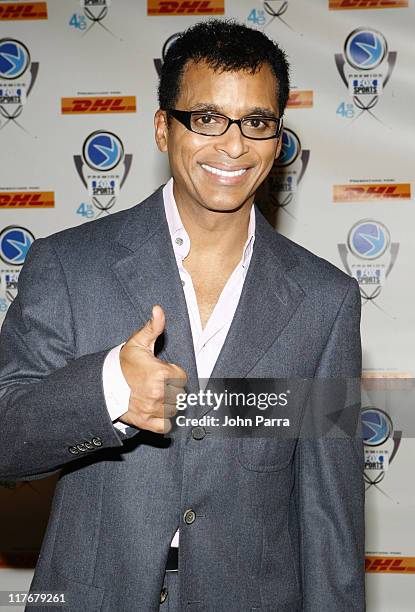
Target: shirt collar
[{"x": 180, "y": 238}]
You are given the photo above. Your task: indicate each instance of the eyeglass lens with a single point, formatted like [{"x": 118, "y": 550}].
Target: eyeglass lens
[{"x": 215, "y": 125}]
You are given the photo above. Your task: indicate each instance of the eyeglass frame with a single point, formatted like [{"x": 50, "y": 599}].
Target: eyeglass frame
[{"x": 184, "y": 117}]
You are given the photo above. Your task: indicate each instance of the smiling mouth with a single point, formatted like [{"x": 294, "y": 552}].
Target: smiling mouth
[{"x": 225, "y": 173}]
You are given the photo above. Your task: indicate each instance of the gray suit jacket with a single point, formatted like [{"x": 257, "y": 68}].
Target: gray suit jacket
[{"x": 279, "y": 526}]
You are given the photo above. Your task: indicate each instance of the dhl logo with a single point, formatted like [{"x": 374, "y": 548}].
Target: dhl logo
[
  {"x": 186, "y": 7},
  {"x": 372, "y": 191},
  {"x": 344, "y": 5},
  {"x": 397, "y": 565},
  {"x": 300, "y": 99},
  {"x": 27, "y": 199},
  {"x": 106, "y": 104},
  {"x": 23, "y": 10}
]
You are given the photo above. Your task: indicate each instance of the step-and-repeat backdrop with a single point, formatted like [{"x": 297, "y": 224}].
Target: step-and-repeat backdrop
[{"x": 78, "y": 86}]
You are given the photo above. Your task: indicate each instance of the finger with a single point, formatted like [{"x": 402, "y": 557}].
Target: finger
[
  {"x": 169, "y": 411},
  {"x": 176, "y": 381},
  {"x": 147, "y": 409},
  {"x": 176, "y": 371},
  {"x": 148, "y": 334},
  {"x": 159, "y": 425},
  {"x": 162, "y": 410},
  {"x": 172, "y": 394}
]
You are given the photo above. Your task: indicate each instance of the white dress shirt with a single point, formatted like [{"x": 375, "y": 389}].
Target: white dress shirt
[{"x": 207, "y": 341}]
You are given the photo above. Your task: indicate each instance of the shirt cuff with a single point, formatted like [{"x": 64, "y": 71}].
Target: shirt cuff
[{"x": 116, "y": 389}]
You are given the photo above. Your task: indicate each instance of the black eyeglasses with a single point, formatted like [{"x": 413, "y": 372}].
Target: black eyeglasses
[{"x": 208, "y": 123}]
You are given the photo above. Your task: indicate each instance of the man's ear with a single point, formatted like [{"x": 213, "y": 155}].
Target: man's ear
[
  {"x": 279, "y": 144},
  {"x": 161, "y": 130}
]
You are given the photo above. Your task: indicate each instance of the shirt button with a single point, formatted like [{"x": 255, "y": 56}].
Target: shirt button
[
  {"x": 163, "y": 595},
  {"x": 198, "y": 433},
  {"x": 189, "y": 517},
  {"x": 183, "y": 283},
  {"x": 179, "y": 241}
]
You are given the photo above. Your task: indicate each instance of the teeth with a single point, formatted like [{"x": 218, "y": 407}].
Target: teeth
[{"x": 223, "y": 172}]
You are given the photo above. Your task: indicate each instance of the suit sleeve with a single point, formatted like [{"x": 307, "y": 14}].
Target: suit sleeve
[
  {"x": 52, "y": 405},
  {"x": 329, "y": 480}
]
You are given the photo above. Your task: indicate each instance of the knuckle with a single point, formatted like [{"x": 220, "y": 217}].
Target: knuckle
[
  {"x": 177, "y": 372},
  {"x": 142, "y": 406},
  {"x": 158, "y": 426},
  {"x": 166, "y": 371},
  {"x": 145, "y": 415},
  {"x": 155, "y": 392},
  {"x": 169, "y": 411},
  {"x": 181, "y": 373}
]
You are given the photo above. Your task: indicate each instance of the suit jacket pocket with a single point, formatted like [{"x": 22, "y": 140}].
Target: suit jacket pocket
[{"x": 265, "y": 454}]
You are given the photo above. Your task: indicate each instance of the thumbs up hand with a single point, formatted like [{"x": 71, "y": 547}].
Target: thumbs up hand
[{"x": 152, "y": 401}]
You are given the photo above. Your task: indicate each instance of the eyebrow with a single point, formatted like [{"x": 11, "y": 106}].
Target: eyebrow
[{"x": 214, "y": 108}]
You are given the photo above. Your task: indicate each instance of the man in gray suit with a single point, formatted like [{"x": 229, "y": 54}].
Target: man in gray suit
[{"x": 142, "y": 521}]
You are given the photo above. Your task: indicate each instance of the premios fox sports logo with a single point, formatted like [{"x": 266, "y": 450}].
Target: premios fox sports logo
[
  {"x": 18, "y": 74},
  {"x": 369, "y": 255},
  {"x": 282, "y": 183},
  {"x": 365, "y": 67},
  {"x": 381, "y": 443},
  {"x": 103, "y": 168}
]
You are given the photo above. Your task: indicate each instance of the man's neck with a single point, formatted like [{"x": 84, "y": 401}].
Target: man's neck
[{"x": 213, "y": 233}]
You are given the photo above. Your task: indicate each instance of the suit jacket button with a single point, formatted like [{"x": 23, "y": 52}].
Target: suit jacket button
[
  {"x": 189, "y": 517},
  {"x": 198, "y": 433},
  {"x": 81, "y": 447},
  {"x": 97, "y": 441},
  {"x": 89, "y": 445},
  {"x": 163, "y": 595},
  {"x": 73, "y": 450}
]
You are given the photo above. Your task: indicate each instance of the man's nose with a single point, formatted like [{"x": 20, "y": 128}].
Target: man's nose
[{"x": 232, "y": 142}]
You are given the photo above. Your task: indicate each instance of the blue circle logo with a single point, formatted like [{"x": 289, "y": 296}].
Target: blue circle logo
[
  {"x": 14, "y": 244},
  {"x": 365, "y": 48},
  {"x": 376, "y": 427},
  {"x": 368, "y": 239},
  {"x": 290, "y": 148},
  {"x": 103, "y": 151},
  {"x": 14, "y": 58}
]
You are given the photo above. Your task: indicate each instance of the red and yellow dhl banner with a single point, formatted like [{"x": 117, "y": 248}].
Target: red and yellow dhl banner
[
  {"x": 98, "y": 104},
  {"x": 371, "y": 191},
  {"x": 27, "y": 199},
  {"x": 386, "y": 379},
  {"x": 390, "y": 565},
  {"x": 344, "y": 5},
  {"x": 185, "y": 7},
  {"x": 384, "y": 374},
  {"x": 23, "y": 10},
  {"x": 300, "y": 99}
]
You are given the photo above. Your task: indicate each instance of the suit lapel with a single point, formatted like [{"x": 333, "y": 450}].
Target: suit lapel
[
  {"x": 269, "y": 298},
  {"x": 149, "y": 275}
]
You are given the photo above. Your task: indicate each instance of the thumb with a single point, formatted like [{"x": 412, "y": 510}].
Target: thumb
[{"x": 148, "y": 334}]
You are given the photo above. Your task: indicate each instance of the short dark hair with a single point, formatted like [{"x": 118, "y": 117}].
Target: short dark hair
[{"x": 224, "y": 45}]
